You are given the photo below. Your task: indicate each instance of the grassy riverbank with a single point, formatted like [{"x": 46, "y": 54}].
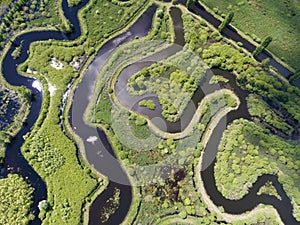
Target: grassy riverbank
[
  {"x": 258, "y": 19},
  {"x": 162, "y": 193},
  {"x": 52, "y": 154}
]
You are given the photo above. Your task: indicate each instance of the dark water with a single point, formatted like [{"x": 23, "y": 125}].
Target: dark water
[
  {"x": 232, "y": 33},
  {"x": 100, "y": 154},
  {"x": 14, "y": 161},
  {"x": 251, "y": 200}
]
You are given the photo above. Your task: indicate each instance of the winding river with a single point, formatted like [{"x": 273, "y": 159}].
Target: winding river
[
  {"x": 249, "y": 201},
  {"x": 105, "y": 162},
  {"x": 100, "y": 153},
  {"x": 14, "y": 161}
]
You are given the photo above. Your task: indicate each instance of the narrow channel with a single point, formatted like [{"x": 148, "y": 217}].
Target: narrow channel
[
  {"x": 250, "y": 200},
  {"x": 14, "y": 161},
  {"x": 100, "y": 153}
]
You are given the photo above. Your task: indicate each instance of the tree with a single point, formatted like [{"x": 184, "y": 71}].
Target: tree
[
  {"x": 226, "y": 21},
  {"x": 183, "y": 214},
  {"x": 263, "y": 45}
]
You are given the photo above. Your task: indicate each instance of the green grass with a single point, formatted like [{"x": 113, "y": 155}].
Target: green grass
[
  {"x": 103, "y": 110},
  {"x": 139, "y": 126},
  {"x": 267, "y": 18}
]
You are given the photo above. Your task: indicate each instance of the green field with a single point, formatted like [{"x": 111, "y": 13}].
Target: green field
[{"x": 278, "y": 19}]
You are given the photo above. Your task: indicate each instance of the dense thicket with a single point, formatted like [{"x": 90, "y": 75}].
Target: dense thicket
[
  {"x": 260, "y": 109},
  {"x": 174, "y": 81},
  {"x": 15, "y": 200},
  {"x": 247, "y": 151}
]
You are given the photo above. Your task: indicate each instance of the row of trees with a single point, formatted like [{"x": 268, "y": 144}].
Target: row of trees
[
  {"x": 252, "y": 77},
  {"x": 250, "y": 73},
  {"x": 226, "y": 21}
]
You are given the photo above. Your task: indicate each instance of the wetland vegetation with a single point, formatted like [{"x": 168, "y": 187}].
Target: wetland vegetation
[{"x": 161, "y": 168}]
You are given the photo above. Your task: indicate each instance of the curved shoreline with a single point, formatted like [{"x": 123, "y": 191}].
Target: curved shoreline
[
  {"x": 211, "y": 132},
  {"x": 197, "y": 172},
  {"x": 107, "y": 164},
  {"x": 13, "y": 157}
]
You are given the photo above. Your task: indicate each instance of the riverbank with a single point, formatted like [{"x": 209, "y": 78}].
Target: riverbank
[
  {"x": 113, "y": 90},
  {"x": 260, "y": 209},
  {"x": 246, "y": 25}
]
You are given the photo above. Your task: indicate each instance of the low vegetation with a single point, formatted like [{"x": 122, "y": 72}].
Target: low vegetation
[
  {"x": 147, "y": 103},
  {"x": 161, "y": 26},
  {"x": 216, "y": 79},
  {"x": 72, "y": 3},
  {"x": 102, "y": 111},
  {"x": 14, "y": 106},
  {"x": 269, "y": 189},
  {"x": 112, "y": 205}
]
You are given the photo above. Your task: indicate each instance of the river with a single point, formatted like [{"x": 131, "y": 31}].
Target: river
[{"x": 107, "y": 164}]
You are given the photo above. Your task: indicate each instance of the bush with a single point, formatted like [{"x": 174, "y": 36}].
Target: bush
[{"x": 183, "y": 214}]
